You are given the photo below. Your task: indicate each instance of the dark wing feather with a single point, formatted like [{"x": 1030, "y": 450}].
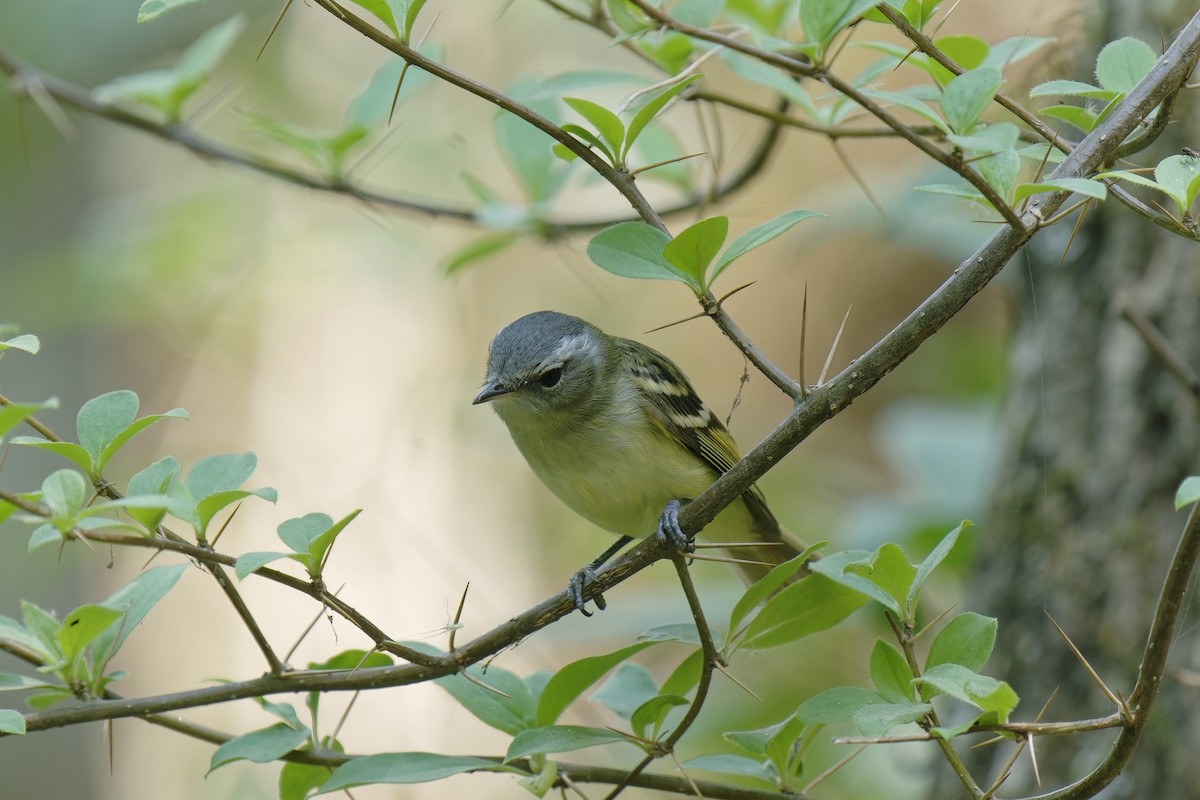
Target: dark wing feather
[{"x": 674, "y": 403}]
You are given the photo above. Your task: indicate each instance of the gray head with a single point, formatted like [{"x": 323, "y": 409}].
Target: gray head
[{"x": 543, "y": 362}]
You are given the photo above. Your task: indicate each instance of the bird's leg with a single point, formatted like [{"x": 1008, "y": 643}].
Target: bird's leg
[
  {"x": 669, "y": 530},
  {"x": 587, "y": 575}
]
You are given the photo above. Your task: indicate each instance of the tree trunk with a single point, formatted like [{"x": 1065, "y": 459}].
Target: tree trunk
[{"x": 1099, "y": 434}]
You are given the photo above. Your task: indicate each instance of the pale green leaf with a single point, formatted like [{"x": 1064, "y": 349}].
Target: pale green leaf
[{"x": 1123, "y": 63}]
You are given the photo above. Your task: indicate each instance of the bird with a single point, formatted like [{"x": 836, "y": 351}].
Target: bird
[{"x": 615, "y": 430}]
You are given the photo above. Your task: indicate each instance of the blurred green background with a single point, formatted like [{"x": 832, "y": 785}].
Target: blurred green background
[{"x": 322, "y": 334}]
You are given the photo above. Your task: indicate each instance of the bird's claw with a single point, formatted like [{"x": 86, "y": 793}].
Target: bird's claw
[
  {"x": 669, "y": 530},
  {"x": 577, "y": 584}
]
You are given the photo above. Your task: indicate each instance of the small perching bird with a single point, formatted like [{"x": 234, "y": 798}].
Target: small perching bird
[{"x": 617, "y": 432}]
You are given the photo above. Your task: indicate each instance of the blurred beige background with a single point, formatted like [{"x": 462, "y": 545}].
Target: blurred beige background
[{"x": 323, "y": 336}]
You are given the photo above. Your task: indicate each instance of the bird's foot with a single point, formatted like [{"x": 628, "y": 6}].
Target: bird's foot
[
  {"x": 670, "y": 532},
  {"x": 577, "y": 584}
]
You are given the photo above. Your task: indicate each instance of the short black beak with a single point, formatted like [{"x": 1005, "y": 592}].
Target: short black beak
[{"x": 492, "y": 389}]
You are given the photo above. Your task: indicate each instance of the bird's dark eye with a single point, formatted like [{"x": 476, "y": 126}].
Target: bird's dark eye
[{"x": 550, "y": 377}]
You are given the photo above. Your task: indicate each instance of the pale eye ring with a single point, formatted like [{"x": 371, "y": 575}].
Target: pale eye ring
[{"x": 550, "y": 377}]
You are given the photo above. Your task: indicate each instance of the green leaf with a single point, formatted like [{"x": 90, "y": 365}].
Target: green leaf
[
  {"x": 284, "y": 711},
  {"x": 889, "y": 569},
  {"x": 533, "y": 91},
  {"x": 261, "y": 746},
  {"x": 67, "y": 450},
  {"x": 931, "y": 562},
  {"x": 965, "y": 98},
  {"x": 153, "y": 9},
  {"x": 686, "y": 675},
  {"x": 412, "y": 8},
  {"x": 653, "y": 713},
  {"x": 130, "y": 431},
  {"x": 698, "y": 13},
  {"x": 626, "y": 690},
  {"x": 211, "y": 485},
  {"x": 1000, "y": 171},
  {"x": 208, "y": 508},
  {"x": 672, "y": 53},
  {"x": 696, "y": 246},
  {"x": 157, "y": 479},
  {"x": 252, "y": 562},
  {"x": 635, "y": 250},
  {"x": 354, "y": 659},
  {"x": 1121, "y": 175},
  {"x": 405, "y": 768},
  {"x": 606, "y": 123},
  {"x": 559, "y": 739},
  {"x": 26, "y": 341},
  {"x": 993, "y": 138},
  {"x": 649, "y": 111},
  {"x": 497, "y": 697},
  {"x": 587, "y": 137},
  {"x": 808, "y": 606},
  {"x": 833, "y": 567},
  {"x": 966, "y": 640},
  {"x": 479, "y": 249},
  {"x": 627, "y": 17},
  {"x": 755, "y": 71},
  {"x": 79, "y": 629},
  {"x": 12, "y": 682},
  {"x": 220, "y": 473},
  {"x": 202, "y": 56},
  {"x": 1076, "y": 116},
  {"x": 766, "y": 586},
  {"x": 995, "y": 698},
  {"x": 760, "y": 235},
  {"x": 12, "y": 722},
  {"x": 1187, "y": 493},
  {"x": 296, "y": 781},
  {"x": 64, "y": 491},
  {"x": 101, "y": 419},
  {"x": 837, "y": 705},
  {"x": 319, "y": 546},
  {"x": 1123, "y": 63},
  {"x": 1043, "y": 153},
  {"x": 683, "y": 632},
  {"x": 15, "y": 632},
  {"x": 890, "y": 673},
  {"x": 1013, "y": 49},
  {"x": 822, "y": 19},
  {"x": 1083, "y": 186},
  {"x": 911, "y": 103},
  {"x": 316, "y": 146},
  {"x": 370, "y": 108},
  {"x": 784, "y": 748},
  {"x": 1178, "y": 176},
  {"x": 731, "y": 764},
  {"x": 756, "y": 741},
  {"x": 44, "y": 626},
  {"x": 300, "y": 532},
  {"x": 524, "y": 150},
  {"x": 135, "y": 600},
  {"x": 876, "y": 719},
  {"x": 959, "y": 190},
  {"x": 1065, "y": 88},
  {"x": 967, "y": 51},
  {"x": 382, "y": 11},
  {"x": 575, "y": 678},
  {"x": 14, "y": 414}
]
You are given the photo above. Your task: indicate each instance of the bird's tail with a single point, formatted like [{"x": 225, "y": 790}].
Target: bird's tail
[{"x": 762, "y": 543}]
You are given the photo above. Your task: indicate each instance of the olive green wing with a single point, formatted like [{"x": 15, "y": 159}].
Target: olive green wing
[{"x": 674, "y": 404}]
